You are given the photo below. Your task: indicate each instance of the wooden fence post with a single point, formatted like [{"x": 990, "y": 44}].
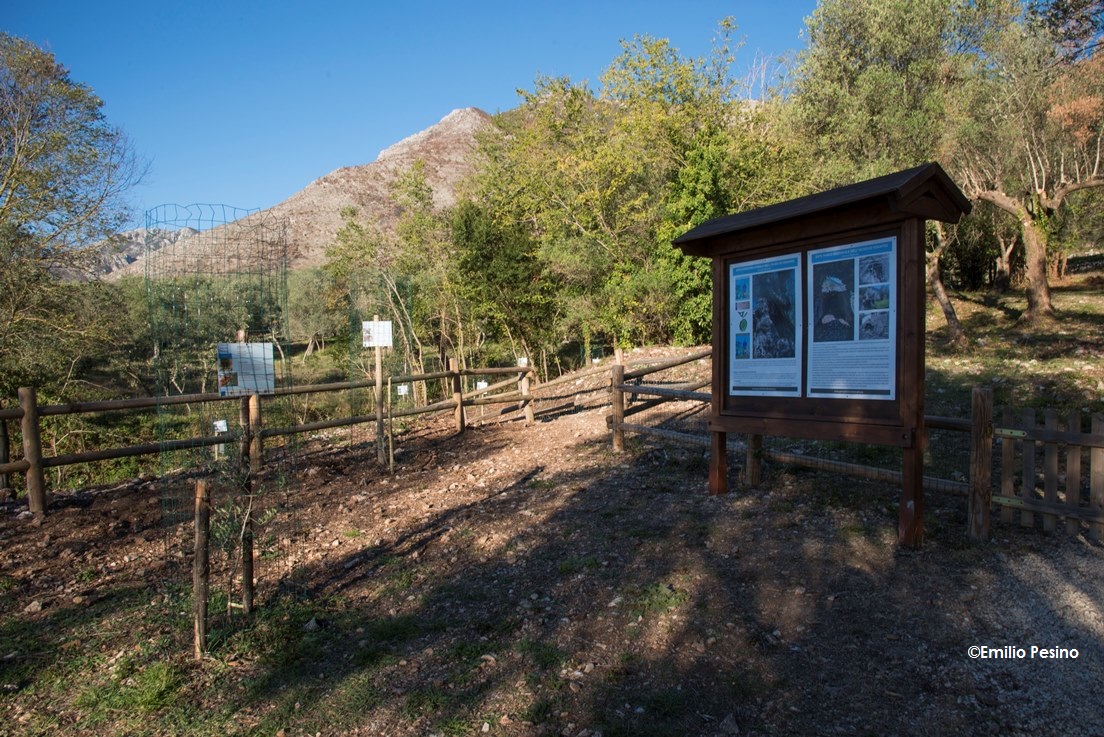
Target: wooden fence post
[
  {"x": 1008, "y": 460},
  {"x": 1073, "y": 475},
  {"x": 1027, "y": 492},
  {"x": 754, "y": 460},
  {"x": 458, "y": 394},
  {"x": 256, "y": 442},
  {"x": 201, "y": 568},
  {"x": 526, "y": 402},
  {"x": 5, "y": 453},
  {"x": 617, "y": 407},
  {"x": 981, "y": 464},
  {"x": 1096, "y": 480},
  {"x": 245, "y": 442},
  {"x": 32, "y": 451},
  {"x": 256, "y": 461},
  {"x": 910, "y": 508},
  {"x": 381, "y": 451},
  {"x": 1050, "y": 471}
]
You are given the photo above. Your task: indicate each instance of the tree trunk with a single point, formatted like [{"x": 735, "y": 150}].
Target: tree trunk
[
  {"x": 1003, "y": 280},
  {"x": 1039, "y": 305},
  {"x": 956, "y": 336}
]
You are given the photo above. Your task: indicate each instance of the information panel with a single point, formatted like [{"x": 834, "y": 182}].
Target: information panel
[
  {"x": 852, "y": 322},
  {"x": 766, "y": 327},
  {"x": 376, "y": 333},
  {"x": 245, "y": 368}
]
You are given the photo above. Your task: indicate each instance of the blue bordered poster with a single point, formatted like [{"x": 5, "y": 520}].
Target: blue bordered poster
[
  {"x": 766, "y": 326},
  {"x": 852, "y": 320},
  {"x": 245, "y": 368}
]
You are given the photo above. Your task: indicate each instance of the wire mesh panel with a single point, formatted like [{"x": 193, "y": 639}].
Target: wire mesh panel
[{"x": 216, "y": 282}]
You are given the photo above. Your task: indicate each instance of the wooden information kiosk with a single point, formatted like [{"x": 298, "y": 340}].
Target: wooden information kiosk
[{"x": 818, "y": 320}]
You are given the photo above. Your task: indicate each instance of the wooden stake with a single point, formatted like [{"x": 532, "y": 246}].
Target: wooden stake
[
  {"x": 755, "y": 461},
  {"x": 457, "y": 394},
  {"x": 617, "y": 407},
  {"x": 1050, "y": 471},
  {"x": 981, "y": 464},
  {"x": 910, "y": 515},
  {"x": 523, "y": 388},
  {"x": 1096, "y": 479},
  {"x": 247, "y": 555},
  {"x": 390, "y": 433},
  {"x": 32, "y": 451},
  {"x": 201, "y": 569},
  {"x": 1008, "y": 459},
  {"x": 1073, "y": 475},
  {"x": 5, "y": 453},
  {"x": 256, "y": 442},
  {"x": 381, "y": 450}
]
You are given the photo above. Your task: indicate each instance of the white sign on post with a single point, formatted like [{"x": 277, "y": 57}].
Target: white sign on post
[
  {"x": 402, "y": 390},
  {"x": 376, "y": 333}
]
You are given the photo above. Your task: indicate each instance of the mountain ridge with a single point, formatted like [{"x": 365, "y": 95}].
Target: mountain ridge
[{"x": 313, "y": 214}]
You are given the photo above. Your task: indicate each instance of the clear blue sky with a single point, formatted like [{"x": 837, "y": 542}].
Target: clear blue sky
[{"x": 246, "y": 103}]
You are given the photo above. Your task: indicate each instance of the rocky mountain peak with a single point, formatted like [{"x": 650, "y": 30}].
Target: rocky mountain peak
[{"x": 313, "y": 214}]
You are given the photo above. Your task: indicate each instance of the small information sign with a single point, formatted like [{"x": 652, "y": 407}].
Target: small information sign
[{"x": 376, "y": 333}]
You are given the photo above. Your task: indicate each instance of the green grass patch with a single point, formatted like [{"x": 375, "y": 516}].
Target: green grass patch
[
  {"x": 658, "y": 598},
  {"x": 576, "y": 564},
  {"x": 147, "y": 689}
]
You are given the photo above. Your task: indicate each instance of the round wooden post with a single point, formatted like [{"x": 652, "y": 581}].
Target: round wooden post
[
  {"x": 457, "y": 394},
  {"x": 5, "y": 453},
  {"x": 910, "y": 511},
  {"x": 246, "y": 440},
  {"x": 754, "y": 461},
  {"x": 617, "y": 407},
  {"x": 981, "y": 463},
  {"x": 201, "y": 569},
  {"x": 381, "y": 450},
  {"x": 390, "y": 432},
  {"x": 32, "y": 451},
  {"x": 526, "y": 402},
  {"x": 256, "y": 442}
]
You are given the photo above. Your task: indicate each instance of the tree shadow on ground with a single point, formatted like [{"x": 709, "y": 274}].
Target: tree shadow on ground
[
  {"x": 501, "y": 579},
  {"x": 621, "y": 600}
]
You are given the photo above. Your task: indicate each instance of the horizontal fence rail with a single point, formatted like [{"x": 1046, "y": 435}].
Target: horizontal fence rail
[
  {"x": 1051, "y": 468},
  {"x": 29, "y": 412}
]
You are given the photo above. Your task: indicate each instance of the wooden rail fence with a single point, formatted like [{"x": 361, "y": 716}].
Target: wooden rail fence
[
  {"x": 1053, "y": 469},
  {"x": 29, "y": 414}
]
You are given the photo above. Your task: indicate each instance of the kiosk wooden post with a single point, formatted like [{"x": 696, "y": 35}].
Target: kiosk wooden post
[{"x": 818, "y": 320}]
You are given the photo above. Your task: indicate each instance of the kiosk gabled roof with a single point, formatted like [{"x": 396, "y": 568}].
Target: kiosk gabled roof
[{"x": 924, "y": 191}]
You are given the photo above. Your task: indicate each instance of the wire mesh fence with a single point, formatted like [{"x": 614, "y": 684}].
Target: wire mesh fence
[{"x": 216, "y": 283}]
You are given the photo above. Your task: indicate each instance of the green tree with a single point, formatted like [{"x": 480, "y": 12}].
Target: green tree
[
  {"x": 315, "y": 312},
  {"x": 871, "y": 93},
  {"x": 63, "y": 173},
  {"x": 870, "y": 86},
  {"x": 503, "y": 281},
  {"x": 603, "y": 180}
]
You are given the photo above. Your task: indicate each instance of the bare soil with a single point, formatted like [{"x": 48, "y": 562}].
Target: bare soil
[{"x": 528, "y": 581}]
